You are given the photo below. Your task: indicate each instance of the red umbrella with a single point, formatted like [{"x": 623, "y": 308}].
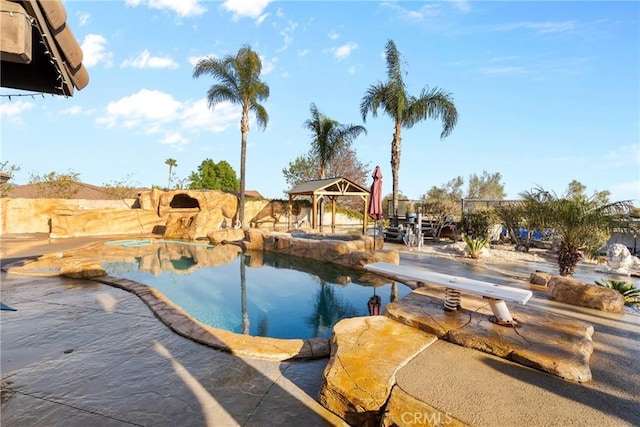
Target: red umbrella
[{"x": 375, "y": 200}]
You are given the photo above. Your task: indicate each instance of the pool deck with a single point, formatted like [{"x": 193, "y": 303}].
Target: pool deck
[{"x": 78, "y": 352}]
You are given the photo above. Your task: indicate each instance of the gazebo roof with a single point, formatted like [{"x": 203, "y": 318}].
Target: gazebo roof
[
  {"x": 328, "y": 187},
  {"x": 38, "y": 51}
]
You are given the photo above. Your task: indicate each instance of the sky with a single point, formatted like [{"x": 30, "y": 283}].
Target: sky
[{"x": 546, "y": 92}]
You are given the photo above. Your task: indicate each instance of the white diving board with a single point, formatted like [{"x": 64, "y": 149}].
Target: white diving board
[{"x": 496, "y": 294}]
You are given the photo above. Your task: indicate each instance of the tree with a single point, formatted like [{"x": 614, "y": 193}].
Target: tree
[
  {"x": 121, "y": 189},
  {"x": 55, "y": 185},
  {"x": 328, "y": 136},
  {"x": 9, "y": 169},
  {"x": 172, "y": 163},
  {"x": 406, "y": 110},
  {"x": 584, "y": 223},
  {"x": 486, "y": 187},
  {"x": 442, "y": 206},
  {"x": 239, "y": 83},
  {"x": 214, "y": 176}
]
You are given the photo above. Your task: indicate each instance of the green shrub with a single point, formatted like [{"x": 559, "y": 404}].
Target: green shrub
[{"x": 475, "y": 244}]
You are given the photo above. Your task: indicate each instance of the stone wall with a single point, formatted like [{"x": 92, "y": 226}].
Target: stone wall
[{"x": 187, "y": 214}]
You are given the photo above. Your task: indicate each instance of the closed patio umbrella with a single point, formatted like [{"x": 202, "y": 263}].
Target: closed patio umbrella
[{"x": 375, "y": 200}]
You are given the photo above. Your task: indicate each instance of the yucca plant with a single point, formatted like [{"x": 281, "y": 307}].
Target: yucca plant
[
  {"x": 475, "y": 245},
  {"x": 629, "y": 292}
]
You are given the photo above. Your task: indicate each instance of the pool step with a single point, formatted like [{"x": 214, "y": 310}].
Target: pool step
[{"x": 366, "y": 353}]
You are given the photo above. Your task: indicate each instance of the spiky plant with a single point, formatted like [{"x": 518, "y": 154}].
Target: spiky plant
[
  {"x": 584, "y": 223},
  {"x": 475, "y": 245},
  {"x": 630, "y": 293}
]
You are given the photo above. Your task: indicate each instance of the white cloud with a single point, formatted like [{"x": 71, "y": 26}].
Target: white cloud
[
  {"x": 246, "y": 8},
  {"x": 333, "y": 35},
  {"x": 72, "y": 111},
  {"x": 461, "y": 5},
  {"x": 13, "y": 110},
  {"x": 344, "y": 51},
  {"x": 426, "y": 11},
  {"x": 193, "y": 60},
  {"x": 174, "y": 138},
  {"x": 501, "y": 70},
  {"x": 268, "y": 66},
  {"x": 182, "y": 8},
  {"x": 287, "y": 35},
  {"x": 261, "y": 19},
  {"x": 159, "y": 113},
  {"x": 146, "y": 108},
  {"x": 145, "y": 60},
  {"x": 624, "y": 155},
  {"x": 83, "y": 18},
  {"x": 198, "y": 115},
  {"x": 304, "y": 52},
  {"x": 539, "y": 27},
  {"x": 94, "y": 51}
]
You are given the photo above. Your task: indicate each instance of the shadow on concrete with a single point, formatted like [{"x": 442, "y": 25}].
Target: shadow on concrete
[{"x": 606, "y": 402}]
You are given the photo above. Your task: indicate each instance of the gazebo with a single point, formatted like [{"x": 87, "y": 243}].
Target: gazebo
[{"x": 330, "y": 188}]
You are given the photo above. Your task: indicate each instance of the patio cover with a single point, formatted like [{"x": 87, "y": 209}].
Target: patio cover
[
  {"x": 330, "y": 188},
  {"x": 38, "y": 51}
]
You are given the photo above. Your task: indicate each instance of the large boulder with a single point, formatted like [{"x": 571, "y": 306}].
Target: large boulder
[{"x": 572, "y": 291}]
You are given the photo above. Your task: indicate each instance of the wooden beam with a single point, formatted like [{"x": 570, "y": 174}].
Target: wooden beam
[{"x": 16, "y": 43}]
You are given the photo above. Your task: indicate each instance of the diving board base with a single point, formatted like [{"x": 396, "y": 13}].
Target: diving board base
[{"x": 495, "y": 294}]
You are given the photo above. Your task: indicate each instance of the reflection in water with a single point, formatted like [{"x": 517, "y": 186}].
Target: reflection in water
[
  {"x": 273, "y": 295},
  {"x": 328, "y": 309},
  {"x": 243, "y": 293}
]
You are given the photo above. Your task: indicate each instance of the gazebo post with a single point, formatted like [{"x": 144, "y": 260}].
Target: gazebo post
[
  {"x": 333, "y": 214},
  {"x": 314, "y": 212},
  {"x": 289, "y": 214}
]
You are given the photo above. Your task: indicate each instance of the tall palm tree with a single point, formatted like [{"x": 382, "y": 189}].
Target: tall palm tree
[
  {"x": 239, "y": 83},
  {"x": 406, "y": 110},
  {"x": 171, "y": 163},
  {"x": 583, "y": 223},
  {"x": 329, "y": 136}
]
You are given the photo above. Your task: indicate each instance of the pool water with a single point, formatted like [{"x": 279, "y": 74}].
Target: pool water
[{"x": 260, "y": 294}]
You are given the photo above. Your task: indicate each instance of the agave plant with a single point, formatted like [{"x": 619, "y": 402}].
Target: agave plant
[
  {"x": 629, "y": 292},
  {"x": 475, "y": 245}
]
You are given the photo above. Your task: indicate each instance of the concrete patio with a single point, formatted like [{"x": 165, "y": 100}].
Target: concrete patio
[{"x": 84, "y": 353}]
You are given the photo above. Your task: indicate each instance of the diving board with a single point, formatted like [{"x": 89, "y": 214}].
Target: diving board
[{"x": 496, "y": 294}]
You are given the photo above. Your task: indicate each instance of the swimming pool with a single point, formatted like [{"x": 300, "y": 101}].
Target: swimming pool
[{"x": 256, "y": 293}]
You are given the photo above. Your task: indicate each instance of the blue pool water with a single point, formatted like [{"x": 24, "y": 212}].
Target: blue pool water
[{"x": 260, "y": 294}]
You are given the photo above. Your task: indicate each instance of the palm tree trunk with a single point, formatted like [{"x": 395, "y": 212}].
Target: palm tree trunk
[
  {"x": 244, "y": 128},
  {"x": 395, "y": 163},
  {"x": 169, "y": 187}
]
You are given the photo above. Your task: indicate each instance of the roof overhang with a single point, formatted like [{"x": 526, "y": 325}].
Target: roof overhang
[{"x": 38, "y": 51}]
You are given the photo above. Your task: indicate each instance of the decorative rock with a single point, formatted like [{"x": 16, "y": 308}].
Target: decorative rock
[
  {"x": 366, "y": 352},
  {"x": 225, "y": 235},
  {"x": 539, "y": 278},
  {"x": 572, "y": 291},
  {"x": 82, "y": 269}
]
